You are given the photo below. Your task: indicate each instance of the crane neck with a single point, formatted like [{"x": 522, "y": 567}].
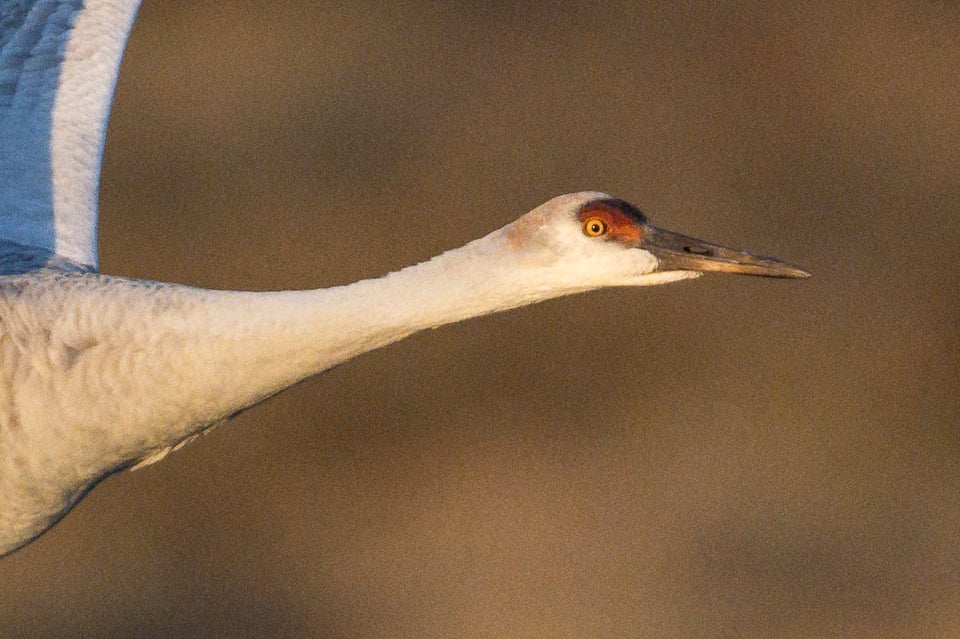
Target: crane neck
[
  {"x": 482, "y": 277},
  {"x": 126, "y": 371}
]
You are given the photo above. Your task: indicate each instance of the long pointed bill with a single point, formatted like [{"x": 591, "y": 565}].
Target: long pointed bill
[{"x": 677, "y": 252}]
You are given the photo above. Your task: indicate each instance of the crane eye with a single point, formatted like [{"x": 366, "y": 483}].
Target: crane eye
[{"x": 594, "y": 227}]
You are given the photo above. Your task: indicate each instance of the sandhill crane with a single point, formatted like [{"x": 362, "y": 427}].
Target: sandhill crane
[{"x": 101, "y": 373}]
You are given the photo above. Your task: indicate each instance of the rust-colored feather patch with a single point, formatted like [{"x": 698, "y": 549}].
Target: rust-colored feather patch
[{"x": 624, "y": 222}]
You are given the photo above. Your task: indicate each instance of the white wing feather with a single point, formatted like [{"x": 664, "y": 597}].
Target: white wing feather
[{"x": 58, "y": 66}]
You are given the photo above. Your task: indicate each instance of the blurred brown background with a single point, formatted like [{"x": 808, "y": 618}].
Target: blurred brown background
[{"x": 730, "y": 457}]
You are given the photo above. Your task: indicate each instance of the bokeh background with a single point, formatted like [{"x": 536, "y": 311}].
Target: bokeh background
[{"x": 729, "y": 457}]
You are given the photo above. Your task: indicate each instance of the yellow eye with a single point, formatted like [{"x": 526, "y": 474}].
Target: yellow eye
[{"x": 594, "y": 227}]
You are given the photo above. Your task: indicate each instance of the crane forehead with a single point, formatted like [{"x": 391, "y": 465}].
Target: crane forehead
[{"x": 625, "y": 221}]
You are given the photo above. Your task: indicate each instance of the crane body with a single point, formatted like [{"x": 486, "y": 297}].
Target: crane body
[{"x": 101, "y": 373}]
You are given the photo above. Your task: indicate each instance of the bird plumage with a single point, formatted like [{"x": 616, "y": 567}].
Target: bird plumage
[
  {"x": 58, "y": 67},
  {"x": 101, "y": 373}
]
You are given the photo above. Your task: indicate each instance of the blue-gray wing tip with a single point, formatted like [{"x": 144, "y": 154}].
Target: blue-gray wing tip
[{"x": 18, "y": 259}]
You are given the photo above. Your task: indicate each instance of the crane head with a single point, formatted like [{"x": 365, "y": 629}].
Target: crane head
[{"x": 599, "y": 240}]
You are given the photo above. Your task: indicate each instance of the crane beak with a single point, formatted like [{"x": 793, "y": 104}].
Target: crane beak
[{"x": 676, "y": 252}]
